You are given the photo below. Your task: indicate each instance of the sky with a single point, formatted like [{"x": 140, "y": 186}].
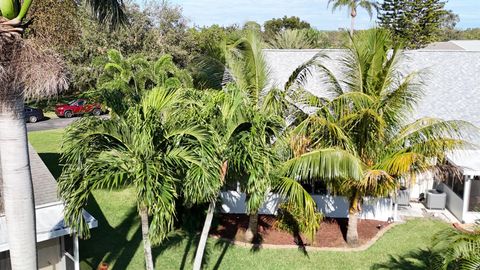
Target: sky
[{"x": 227, "y": 12}]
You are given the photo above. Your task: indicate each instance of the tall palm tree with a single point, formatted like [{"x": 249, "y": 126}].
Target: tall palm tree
[
  {"x": 151, "y": 148},
  {"x": 26, "y": 71},
  {"x": 365, "y": 119},
  {"x": 247, "y": 117},
  {"x": 352, "y": 6}
]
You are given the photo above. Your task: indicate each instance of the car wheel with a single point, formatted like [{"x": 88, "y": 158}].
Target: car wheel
[
  {"x": 68, "y": 114},
  {"x": 96, "y": 112},
  {"x": 32, "y": 119}
]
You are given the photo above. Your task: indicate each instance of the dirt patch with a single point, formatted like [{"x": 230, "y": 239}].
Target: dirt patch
[{"x": 332, "y": 232}]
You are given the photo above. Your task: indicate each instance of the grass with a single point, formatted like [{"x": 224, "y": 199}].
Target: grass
[{"x": 117, "y": 240}]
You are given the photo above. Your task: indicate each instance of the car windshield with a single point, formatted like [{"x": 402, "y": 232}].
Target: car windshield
[{"x": 72, "y": 102}]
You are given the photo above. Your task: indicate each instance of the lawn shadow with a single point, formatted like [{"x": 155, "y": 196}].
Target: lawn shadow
[
  {"x": 415, "y": 260},
  {"x": 175, "y": 239},
  {"x": 224, "y": 245},
  {"x": 110, "y": 244},
  {"x": 52, "y": 161}
]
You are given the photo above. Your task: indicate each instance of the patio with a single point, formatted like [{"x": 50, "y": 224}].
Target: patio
[{"x": 418, "y": 210}]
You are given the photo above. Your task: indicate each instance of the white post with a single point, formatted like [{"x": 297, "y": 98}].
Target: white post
[
  {"x": 76, "y": 252},
  {"x": 467, "y": 186}
]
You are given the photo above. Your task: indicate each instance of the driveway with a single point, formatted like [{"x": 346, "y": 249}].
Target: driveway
[{"x": 53, "y": 123}]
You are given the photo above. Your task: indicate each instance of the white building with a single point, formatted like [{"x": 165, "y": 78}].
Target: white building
[{"x": 452, "y": 92}]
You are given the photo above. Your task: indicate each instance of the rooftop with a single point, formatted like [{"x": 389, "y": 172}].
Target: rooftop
[
  {"x": 451, "y": 78},
  {"x": 454, "y": 45},
  {"x": 44, "y": 184}
]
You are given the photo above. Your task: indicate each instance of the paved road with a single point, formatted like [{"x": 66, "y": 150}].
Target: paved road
[{"x": 53, "y": 123}]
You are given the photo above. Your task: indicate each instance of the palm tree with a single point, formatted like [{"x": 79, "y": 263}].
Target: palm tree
[
  {"x": 151, "y": 148},
  {"x": 352, "y": 6},
  {"x": 124, "y": 81},
  {"x": 365, "y": 120},
  {"x": 455, "y": 249},
  {"x": 26, "y": 71},
  {"x": 292, "y": 39},
  {"x": 246, "y": 118}
]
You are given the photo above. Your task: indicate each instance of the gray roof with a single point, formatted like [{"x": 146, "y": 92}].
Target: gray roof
[
  {"x": 451, "y": 78},
  {"x": 454, "y": 45},
  {"x": 44, "y": 184}
]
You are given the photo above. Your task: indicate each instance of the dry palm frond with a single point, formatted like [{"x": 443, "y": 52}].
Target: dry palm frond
[{"x": 26, "y": 70}]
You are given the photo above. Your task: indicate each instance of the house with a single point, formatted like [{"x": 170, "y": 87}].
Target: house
[
  {"x": 56, "y": 248},
  {"x": 452, "y": 92}
]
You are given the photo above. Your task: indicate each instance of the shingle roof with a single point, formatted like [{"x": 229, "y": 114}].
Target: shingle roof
[
  {"x": 451, "y": 78},
  {"x": 454, "y": 45},
  {"x": 44, "y": 184}
]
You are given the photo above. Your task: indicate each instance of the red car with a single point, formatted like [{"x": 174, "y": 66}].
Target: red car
[{"x": 78, "y": 107}]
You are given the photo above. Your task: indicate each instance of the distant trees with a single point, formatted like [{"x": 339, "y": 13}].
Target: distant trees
[
  {"x": 277, "y": 25},
  {"x": 415, "y": 23}
]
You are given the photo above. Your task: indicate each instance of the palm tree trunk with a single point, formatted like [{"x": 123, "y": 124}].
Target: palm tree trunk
[
  {"x": 17, "y": 185},
  {"x": 197, "y": 264},
  {"x": 353, "y": 14},
  {"x": 352, "y": 230},
  {"x": 252, "y": 230},
  {"x": 147, "y": 248}
]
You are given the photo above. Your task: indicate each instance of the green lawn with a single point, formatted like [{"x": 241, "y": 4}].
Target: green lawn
[{"x": 117, "y": 240}]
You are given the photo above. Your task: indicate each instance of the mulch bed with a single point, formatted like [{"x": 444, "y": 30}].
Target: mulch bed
[{"x": 332, "y": 232}]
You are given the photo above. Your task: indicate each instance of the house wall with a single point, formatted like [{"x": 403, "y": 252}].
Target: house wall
[
  {"x": 454, "y": 202},
  {"x": 422, "y": 183},
  {"x": 331, "y": 206},
  {"x": 49, "y": 256}
]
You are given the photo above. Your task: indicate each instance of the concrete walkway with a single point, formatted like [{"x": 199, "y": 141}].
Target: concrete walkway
[{"x": 416, "y": 210}]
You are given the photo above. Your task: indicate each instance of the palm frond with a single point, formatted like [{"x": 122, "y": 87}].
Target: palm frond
[{"x": 328, "y": 164}]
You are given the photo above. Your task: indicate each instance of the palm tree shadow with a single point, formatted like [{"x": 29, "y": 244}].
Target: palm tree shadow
[
  {"x": 224, "y": 245},
  {"x": 52, "y": 161},
  {"x": 421, "y": 259},
  {"x": 175, "y": 239},
  {"x": 109, "y": 243}
]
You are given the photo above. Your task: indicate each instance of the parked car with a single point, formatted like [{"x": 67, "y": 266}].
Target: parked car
[
  {"x": 32, "y": 115},
  {"x": 78, "y": 107}
]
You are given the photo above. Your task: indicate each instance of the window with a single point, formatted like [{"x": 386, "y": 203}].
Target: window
[
  {"x": 455, "y": 183},
  {"x": 317, "y": 188},
  {"x": 81, "y": 102}
]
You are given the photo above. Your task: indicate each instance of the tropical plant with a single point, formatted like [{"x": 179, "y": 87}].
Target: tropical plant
[
  {"x": 291, "y": 39},
  {"x": 152, "y": 148},
  {"x": 352, "y": 6},
  {"x": 25, "y": 72},
  {"x": 247, "y": 118},
  {"x": 361, "y": 127},
  {"x": 124, "y": 81},
  {"x": 456, "y": 249}
]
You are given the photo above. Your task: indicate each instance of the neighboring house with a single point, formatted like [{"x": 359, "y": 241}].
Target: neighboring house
[
  {"x": 452, "y": 92},
  {"x": 56, "y": 248},
  {"x": 454, "y": 45}
]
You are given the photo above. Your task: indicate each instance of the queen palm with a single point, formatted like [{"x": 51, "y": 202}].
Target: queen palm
[
  {"x": 352, "y": 6},
  {"x": 151, "y": 148},
  {"x": 365, "y": 115}
]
